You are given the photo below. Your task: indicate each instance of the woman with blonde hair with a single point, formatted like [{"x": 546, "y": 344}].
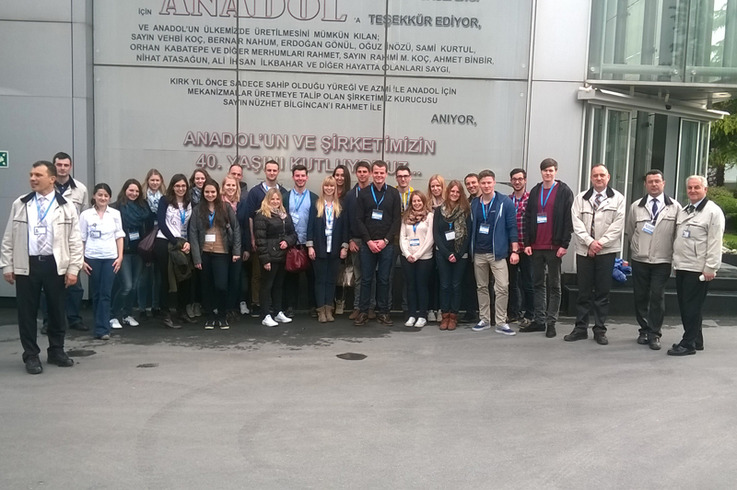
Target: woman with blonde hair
[
  {"x": 232, "y": 196},
  {"x": 416, "y": 243},
  {"x": 274, "y": 233},
  {"x": 435, "y": 191},
  {"x": 451, "y": 232},
  {"x": 327, "y": 244}
]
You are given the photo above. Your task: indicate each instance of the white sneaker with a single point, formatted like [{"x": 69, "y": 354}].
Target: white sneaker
[
  {"x": 410, "y": 322},
  {"x": 129, "y": 320},
  {"x": 269, "y": 322},
  {"x": 504, "y": 329},
  {"x": 244, "y": 308},
  {"x": 421, "y": 322},
  {"x": 431, "y": 316},
  {"x": 114, "y": 323},
  {"x": 282, "y": 318}
]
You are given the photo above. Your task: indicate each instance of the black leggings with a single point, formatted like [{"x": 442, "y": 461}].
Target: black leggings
[{"x": 272, "y": 283}]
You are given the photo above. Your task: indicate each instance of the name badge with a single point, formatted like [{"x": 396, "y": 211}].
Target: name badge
[
  {"x": 686, "y": 234},
  {"x": 95, "y": 234},
  {"x": 40, "y": 230},
  {"x": 450, "y": 235},
  {"x": 377, "y": 214},
  {"x": 484, "y": 229},
  {"x": 295, "y": 219},
  {"x": 134, "y": 235},
  {"x": 542, "y": 218},
  {"x": 648, "y": 228},
  {"x": 210, "y": 238},
  {"x": 414, "y": 242}
]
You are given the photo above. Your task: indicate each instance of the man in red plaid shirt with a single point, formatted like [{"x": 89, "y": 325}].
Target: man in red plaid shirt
[{"x": 521, "y": 296}]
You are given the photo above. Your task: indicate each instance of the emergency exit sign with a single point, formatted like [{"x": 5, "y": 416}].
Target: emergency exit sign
[{"x": 4, "y": 159}]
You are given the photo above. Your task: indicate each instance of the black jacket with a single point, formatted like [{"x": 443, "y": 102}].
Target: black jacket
[
  {"x": 316, "y": 235},
  {"x": 562, "y": 221},
  {"x": 269, "y": 233},
  {"x": 443, "y": 247},
  {"x": 386, "y": 228}
]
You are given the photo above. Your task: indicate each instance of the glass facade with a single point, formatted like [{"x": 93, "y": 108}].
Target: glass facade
[{"x": 677, "y": 41}]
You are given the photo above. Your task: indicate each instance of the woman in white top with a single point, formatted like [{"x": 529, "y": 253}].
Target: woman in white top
[
  {"x": 416, "y": 242},
  {"x": 173, "y": 216},
  {"x": 102, "y": 233}
]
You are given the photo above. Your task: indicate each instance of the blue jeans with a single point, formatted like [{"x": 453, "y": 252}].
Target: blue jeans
[
  {"x": 451, "y": 283},
  {"x": 369, "y": 262},
  {"x": 417, "y": 282},
  {"x": 101, "y": 286},
  {"x": 326, "y": 273},
  {"x": 148, "y": 287},
  {"x": 126, "y": 281}
]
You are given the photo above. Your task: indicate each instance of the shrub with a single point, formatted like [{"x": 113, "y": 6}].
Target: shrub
[{"x": 725, "y": 199}]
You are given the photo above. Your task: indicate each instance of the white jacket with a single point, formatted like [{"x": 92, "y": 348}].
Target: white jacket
[
  {"x": 655, "y": 247},
  {"x": 608, "y": 221},
  {"x": 698, "y": 245},
  {"x": 67, "y": 238},
  {"x": 423, "y": 249}
]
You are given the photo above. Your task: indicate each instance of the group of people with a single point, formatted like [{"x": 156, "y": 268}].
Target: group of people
[{"x": 224, "y": 251}]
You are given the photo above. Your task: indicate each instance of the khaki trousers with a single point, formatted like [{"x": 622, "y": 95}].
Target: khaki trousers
[{"x": 482, "y": 265}]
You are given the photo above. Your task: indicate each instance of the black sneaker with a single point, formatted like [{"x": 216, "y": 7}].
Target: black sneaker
[
  {"x": 169, "y": 323},
  {"x": 576, "y": 334},
  {"x": 209, "y": 325},
  {"x": 255, "y": 311},
  {"x": 642, "y": 339},
  {"x": 533, "y": 327},
  {"x": 61, "y": 359},
  {"x": 224, "y": 325}
]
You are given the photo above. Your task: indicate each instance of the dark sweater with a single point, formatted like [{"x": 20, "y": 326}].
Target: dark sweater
[{"x": 388, "y": 226}]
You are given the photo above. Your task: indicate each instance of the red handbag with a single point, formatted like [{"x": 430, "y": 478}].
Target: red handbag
[{"x": 297, "y": 260}]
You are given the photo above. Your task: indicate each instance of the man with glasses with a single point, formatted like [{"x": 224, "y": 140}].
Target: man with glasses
[{"x": 521, "y": 304}]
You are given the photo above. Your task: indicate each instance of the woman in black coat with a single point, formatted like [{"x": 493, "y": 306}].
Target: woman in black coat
[
  {"x": 274, "y": 233},
  {"x": 327, "y": 244}
]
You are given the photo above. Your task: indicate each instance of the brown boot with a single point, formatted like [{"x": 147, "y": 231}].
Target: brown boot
[
  {"x": 328, "y": 313},
  {"x": 321, "y": 317},
  {"x": 444, "y": 322},
  {"x": 354, "y": 314},
  {"x": 453, "y": 321}
]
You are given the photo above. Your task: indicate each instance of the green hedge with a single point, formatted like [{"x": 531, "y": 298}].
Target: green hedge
[{"x": 726, "y": 200}]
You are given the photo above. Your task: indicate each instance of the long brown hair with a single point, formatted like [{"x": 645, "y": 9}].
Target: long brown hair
[
  {"x": 410, "y": 215},
  {"x": 462, "y": 200},
  {"x": 203, "y": 208}
]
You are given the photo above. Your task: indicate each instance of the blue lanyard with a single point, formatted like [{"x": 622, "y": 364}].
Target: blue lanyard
[
  {"x": 299, "y": 205},
  {"x": 329, "y": 214},
  {"x": 38, "y": 208},
  {"x": 542, "y": 191},
  {"x": 211, "y": 218},
  {"x": 484, "y": 208},
  {"x": 183, "y": 215},
  {"x": 378, "y": 203},
  {"x": 405, "y": 198},
  {"x": 414, "y": 228}
]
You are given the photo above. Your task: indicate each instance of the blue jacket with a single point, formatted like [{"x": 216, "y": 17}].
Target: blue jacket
[{"x": 505, "y": 225}]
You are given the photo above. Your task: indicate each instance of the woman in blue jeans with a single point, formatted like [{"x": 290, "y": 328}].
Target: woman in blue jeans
[
  {"x": 102, "y": 233},
  {"x": 451, "y": 234},
  {"x": 416, "y": 244},
  {"x": 327, "y": 245},
  {"x": 137, "y": 221}
]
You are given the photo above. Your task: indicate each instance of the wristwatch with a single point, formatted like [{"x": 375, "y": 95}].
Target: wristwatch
[{"x": 386, "y": 242}]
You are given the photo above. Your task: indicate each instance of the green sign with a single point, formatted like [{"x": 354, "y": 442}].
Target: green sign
[{"x": 4, "y": 160}]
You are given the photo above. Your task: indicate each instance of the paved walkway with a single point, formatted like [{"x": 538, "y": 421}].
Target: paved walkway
[{"x": 254, "y": 407}]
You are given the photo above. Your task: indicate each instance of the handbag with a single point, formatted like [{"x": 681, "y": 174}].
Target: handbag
[
  {"x": 146, "y": 245},
  {"x": 297, "y": 260},
  {"x": 346, "y": 278}
]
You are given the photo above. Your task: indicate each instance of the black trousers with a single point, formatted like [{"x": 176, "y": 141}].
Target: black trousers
[
  {"x": 161, "y": 252},
  {"x": 42, "y": 275},
  {"x": 272, "y": 283},
  {"x": 214, "y": 276},
  {"x": 648, "y": 281},
  {"x": 594, "y": 283},
  {"x": 691, "y": 295}
]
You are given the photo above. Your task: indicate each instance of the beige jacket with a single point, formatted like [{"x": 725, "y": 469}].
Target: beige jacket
[
  {"x": 77, "y": 194},
  {"x": 68, "y": 249},
  {"x": 608, "y": 221},
  {"x": 698, "y": 244},
  {"x": 655, "y": 247}
]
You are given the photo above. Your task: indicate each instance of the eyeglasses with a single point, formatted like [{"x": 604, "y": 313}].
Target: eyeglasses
[
  {"x": 518, "y": 179},
  {"x": 403, "y": 176}
]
